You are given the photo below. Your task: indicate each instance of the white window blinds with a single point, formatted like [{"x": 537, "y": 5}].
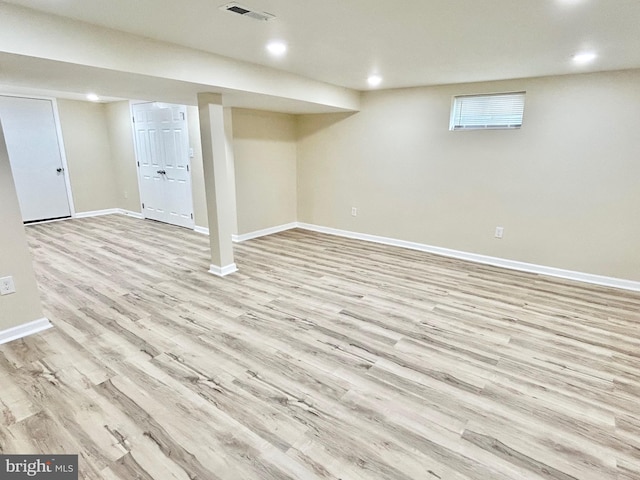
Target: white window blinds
[{"x": 500, "y": 110}]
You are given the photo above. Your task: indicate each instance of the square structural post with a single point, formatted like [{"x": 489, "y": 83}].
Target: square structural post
[{"x": 219, "y": 180}]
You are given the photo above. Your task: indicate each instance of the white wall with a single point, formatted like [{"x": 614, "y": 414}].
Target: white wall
[
  {"x": 123, "y": 155},
  {"x": 15, "y": 259},
  {"x": 564, "y": 187},
  {"x": 265, "y": 149},
  {"x": 264, "y": 146},
  {"x": 197, "y": 170}
]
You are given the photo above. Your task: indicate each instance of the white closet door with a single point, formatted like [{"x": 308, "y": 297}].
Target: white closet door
[
  {"x": 150, "y": 163},
  {"x": 34, "y": 153},
  {"x": 162, "y": 142},
  {"x": 177, "y": 179}
]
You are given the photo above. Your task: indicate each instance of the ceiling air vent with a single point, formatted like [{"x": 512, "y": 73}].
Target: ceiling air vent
[{"x": 246, "y": 12}]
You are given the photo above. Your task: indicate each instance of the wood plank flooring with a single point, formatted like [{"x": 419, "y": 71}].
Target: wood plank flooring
[{"x": 322, "y": 358}]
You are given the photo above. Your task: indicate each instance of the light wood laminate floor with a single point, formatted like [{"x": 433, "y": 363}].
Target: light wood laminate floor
[{"x": 322, "y": 358}]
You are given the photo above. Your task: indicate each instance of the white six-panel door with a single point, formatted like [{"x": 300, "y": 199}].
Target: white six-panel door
[
  {"x": 35, "y": 155},
  {"x": 162, "y": 143}
]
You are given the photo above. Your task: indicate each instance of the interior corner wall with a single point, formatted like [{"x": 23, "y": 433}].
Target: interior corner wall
[
  {"x": 15, "y": 260},
  {"x": 123, "y": 155},
  {"x": 265, "y": 152},
  {"x": 564, "y": 186},
  {"x": 88, "y": 151}
]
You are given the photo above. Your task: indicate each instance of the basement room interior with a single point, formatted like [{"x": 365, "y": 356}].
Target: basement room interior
[{"x": 338, "y": 240}]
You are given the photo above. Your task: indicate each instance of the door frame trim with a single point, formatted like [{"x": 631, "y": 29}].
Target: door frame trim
[
  {"x": 135, "y": 149},
  {"x": 63, "y": 153}
]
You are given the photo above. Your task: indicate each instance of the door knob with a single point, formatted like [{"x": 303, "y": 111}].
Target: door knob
[
  {"x": 162, "y": 172},
  {"x": 59, "y": 169}
]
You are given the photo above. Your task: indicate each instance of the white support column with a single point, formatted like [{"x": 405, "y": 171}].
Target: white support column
[{"x": 219, "y": 179}]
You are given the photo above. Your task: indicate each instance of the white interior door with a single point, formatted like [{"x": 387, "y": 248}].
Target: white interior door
[
  {"x": 149, "y": 162},
  {"x": 34, "y": 153},
  {"x": 163, "y": 155}
]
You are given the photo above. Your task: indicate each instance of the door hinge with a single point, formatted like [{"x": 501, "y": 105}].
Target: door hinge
[
  {"x": 138, "y": 163},
  {"x": 192, "y": 216},
  {"x": 134, "y": 119},
  {"x": 187, "y": 168},
  {"x": 143, "y": 206}
]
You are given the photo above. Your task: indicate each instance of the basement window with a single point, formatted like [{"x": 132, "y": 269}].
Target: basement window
[{"x": 496, "y": 110}]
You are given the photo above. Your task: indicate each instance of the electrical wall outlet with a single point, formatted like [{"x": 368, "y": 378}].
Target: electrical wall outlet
[
  {"x": 7, "y": 286},
  {"x": 499, "y": 232},
  {"x": 354, "y": 211}
]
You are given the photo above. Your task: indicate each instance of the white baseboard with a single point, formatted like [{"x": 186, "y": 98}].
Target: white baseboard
[
  {"x": 130, "y": 213},
  {"x": 97, "y": 213},
  {"x": 223, "y": 271},
  {"x": 484, "y": 259},
  {"x": 108, "y": 211},
  {"x": 251, "y": 235},
  {"x": 24, "y": 330},
  {"x": 266, "y": 231}
]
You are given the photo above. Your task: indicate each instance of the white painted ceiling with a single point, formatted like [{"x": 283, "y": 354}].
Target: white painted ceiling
[{"x": 407, "y": 42}]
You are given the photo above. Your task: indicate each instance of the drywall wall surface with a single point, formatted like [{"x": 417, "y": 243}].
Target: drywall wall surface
[
  {"x": 564, "y": 186},
  {"x": 15, "y": 259},
  {"x": 264, "y": 151},
  {"x": 88, "y": 150},
  {"x": 264, "y": 145},
  {"x": 197, "y": 169},
  {"x": 123, "y": 155}
]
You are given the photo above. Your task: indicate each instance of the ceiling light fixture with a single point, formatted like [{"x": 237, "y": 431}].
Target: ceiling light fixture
[
  {"x": 277, "y": 48},
  {"x": 92, "y": 97},
  {"x": 583, "y": 58},
  {"x": 374, "y": 80}
]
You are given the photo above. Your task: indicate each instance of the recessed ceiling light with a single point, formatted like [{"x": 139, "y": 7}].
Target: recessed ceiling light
[
  {"x": 92, "y": 97},
  {"x": 585, "y": 57},
  {"x": 277, "y": 48},
  {"x": 374, "y": 80}
]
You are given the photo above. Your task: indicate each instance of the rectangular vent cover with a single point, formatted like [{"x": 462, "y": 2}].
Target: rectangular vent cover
[{"x": 246, "y": 12}]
